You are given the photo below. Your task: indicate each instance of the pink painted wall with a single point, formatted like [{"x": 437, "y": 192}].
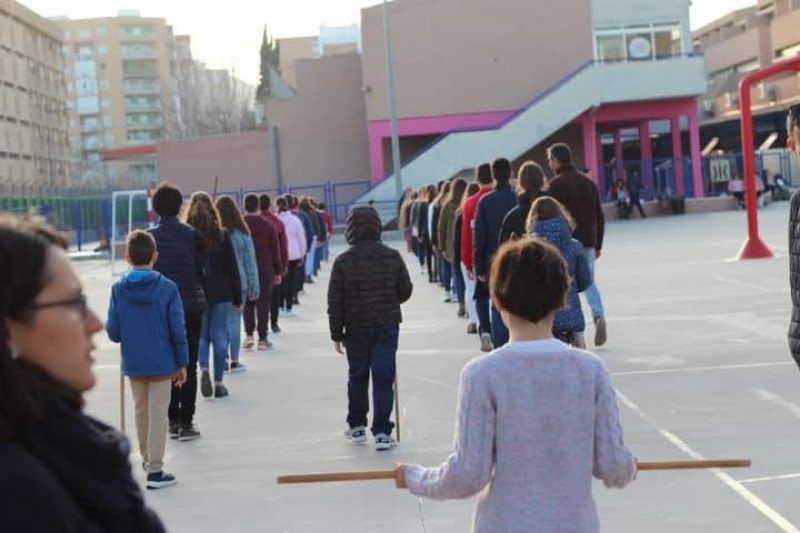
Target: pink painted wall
[{"x": 381, "y": 129}]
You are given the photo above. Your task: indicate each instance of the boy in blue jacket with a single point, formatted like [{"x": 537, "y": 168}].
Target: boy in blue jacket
[{"x": 146, "y": 316}]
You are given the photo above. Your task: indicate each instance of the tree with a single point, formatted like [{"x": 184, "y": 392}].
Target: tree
[{"x": 270, "y": 59}]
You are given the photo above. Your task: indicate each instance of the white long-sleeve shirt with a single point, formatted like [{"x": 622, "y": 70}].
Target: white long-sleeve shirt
[
  {"x": 295, "y": 236},
  {"x": 536, "y": 420}
]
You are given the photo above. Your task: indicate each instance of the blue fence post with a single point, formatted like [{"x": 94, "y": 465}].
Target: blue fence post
[{"x": 77, "y": 221}]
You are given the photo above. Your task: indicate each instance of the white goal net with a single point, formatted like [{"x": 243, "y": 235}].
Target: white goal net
[{"x": 129, "y": 211}]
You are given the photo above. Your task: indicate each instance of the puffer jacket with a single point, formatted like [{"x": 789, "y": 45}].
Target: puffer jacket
[
  {"x": 369, "y": 281},
  {"x": 794, "y": 276},
  {"x": 557, "y": 232},
  {"x": 183, "y": 259}
]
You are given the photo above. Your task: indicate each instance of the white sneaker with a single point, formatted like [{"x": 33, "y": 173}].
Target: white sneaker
[
  {"x": 486, "y": 342},
  {"x": 356, "y": 435},
  {"x": 384, "y": 442},
  {"x": 289, "y": 314}
]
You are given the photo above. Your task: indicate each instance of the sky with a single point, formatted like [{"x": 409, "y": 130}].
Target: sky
[{"x": 228, "y": 34}]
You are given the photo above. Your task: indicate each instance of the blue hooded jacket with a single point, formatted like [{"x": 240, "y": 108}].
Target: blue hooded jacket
[
  {"x": 556, "y": 231},
  {"x": 145, "y": 315}
]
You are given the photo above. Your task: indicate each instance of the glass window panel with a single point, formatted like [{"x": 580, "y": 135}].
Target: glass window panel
[
  {"x": 664, "y": 44},
  {"x": 611, "y": 48}
]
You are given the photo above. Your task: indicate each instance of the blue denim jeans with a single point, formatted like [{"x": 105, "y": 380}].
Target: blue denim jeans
[
  {"x": 311, "y": 258},
  {"x": 447, "y": 275},
  {"x": 593, "y": 297},
  {"x": 235, "y": 333},
  {"x": 459, "y": 285},
  {"x": 371, "y": 350},
  {"x": 499, "y": 329},
  {"x": 214, "y": 332}
]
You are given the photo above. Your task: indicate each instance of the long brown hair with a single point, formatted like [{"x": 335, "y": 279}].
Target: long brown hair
[
  {"x": 530, "y": 178},
  {"x": 547, "y": 207},
  {"x": 203, "y": 216},
  {"x": 229, "y": 216},
  {"x": 472, "y": 188},
  {"x": 457, "y": 191}
]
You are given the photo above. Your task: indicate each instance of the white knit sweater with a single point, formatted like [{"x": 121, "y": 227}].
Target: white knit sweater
[{"x": 536, "y": 420}]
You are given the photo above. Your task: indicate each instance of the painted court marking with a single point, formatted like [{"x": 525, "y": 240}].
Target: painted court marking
[
  {"x": 759, "y": 504},
  {"x": 703, "y": 368}
]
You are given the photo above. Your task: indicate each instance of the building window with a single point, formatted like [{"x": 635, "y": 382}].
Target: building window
[
  {"x": 101, "y": 31},
  {"x": 107, "y": 122},
  {"x": 642, "y": 42},
  {"x": 106, "y": 103},
  {"x": 789, "y": 51},
  {"x": 84, "y": 34},
  {"x": 102, "y": 50}
]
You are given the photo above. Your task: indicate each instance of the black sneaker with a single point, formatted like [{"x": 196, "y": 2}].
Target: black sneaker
[
  {"x": 205, "y": 384},
  {"x": 276, "y": 328},
  {"x": 221, "y": 391},
  {"x": 173, "y": 430},
  {"x": 188, "y": 432},
  {"x": 159, "y": 480}
]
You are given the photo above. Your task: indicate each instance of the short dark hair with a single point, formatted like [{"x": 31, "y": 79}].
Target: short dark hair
[
  {"x": 251, "y": 203},
  {"x": 321, "y": 206},
  {"x": 140, "y": 247},
  {"x": 501, "y": 170},
  {"x": 529, "y": 278},
  {"x": 167, "y": 200},
  {"x": 561, "y": 152},
  {"x": 484, "y": 174},
  {"x": 282, "y": 204},
  {"x": 265, "y": 202}
]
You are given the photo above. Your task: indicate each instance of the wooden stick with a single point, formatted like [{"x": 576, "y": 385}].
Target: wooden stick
[
  {"x": 216, "y": 187},
  {"x": 396, "y": 407},
  {"x": 372, "y": 475},
  {"x": 122, "y": 402},
  {"x": 695, "y": 465}
]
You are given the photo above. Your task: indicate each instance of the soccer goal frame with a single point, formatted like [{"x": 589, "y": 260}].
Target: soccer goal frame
[{"x": 128, "y": 196}]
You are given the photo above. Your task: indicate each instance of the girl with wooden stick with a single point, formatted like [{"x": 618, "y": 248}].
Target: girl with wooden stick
[{"x": 536, "y": 418}]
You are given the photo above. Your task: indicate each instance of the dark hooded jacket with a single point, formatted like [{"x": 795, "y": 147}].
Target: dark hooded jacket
[
  {"x": 794, "y": 276},
  {"x": 369, "y": 281},
  {"x": 516, "y": 219},
  {"x": 557, "y": 232}
]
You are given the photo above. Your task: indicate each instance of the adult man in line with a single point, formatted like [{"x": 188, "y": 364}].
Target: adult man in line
[
  {"x": 265, "y": 203},
  {"x": 268, "y": 258},
  {"x": 793, "y": 127},
  {"x": 477, "y": 291},
  {"x": 579, "y": 194},
  {"x": 492, "y": 210},
  {"x": 183, "y": 259}
]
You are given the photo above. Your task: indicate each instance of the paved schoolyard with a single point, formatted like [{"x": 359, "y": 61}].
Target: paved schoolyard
[{"x": 698, "y": 352}]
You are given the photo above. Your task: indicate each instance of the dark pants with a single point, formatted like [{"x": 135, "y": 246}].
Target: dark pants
[
  {"x": 300, "y": 277},
  {"x": 459, "y": 285},
  {"x": 447, "y": 275},
  {"x": 371, "y": 350},
  {"x": 288, "y": 287},
  {"x": 636, "y": 202},
  {"x": 499, "y": 329},
  {"x": 275, "y": 303},
  {"x": 182, "y": 401},
  {"x": 483, "y": 303},
  {"x": 318, "y": 258},
  {"x": 260, "y": 307}
]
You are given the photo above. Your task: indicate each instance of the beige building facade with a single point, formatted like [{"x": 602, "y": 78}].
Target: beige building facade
[
  {"x": 34, "y": 149},
  {"x": 119, "y": 74}
]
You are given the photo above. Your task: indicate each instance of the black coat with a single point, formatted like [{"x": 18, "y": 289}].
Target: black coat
[
  {"x": 369, "y": 281},
  {"x": 182, "y": 259},
  {"x": 794, "y": 276},
  {"x": 516, "y": 219},
  {"x": 224, "y": 284},
  {"x": 492, "y": 210},
  {"x": 457, "y": 240},
  {"x": 71, "y": 475}
]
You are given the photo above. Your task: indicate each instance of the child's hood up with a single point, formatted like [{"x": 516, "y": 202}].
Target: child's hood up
[
  {"x": 555, "y": 230},
  {"x": 141, "y": 285}
]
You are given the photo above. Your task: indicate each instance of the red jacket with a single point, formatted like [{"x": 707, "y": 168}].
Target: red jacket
[
  {"x": 283, "y": 243},
  {"x": 328, "y": 221},
  {"x": 467, "y": 218},
  {"x": 268, "y": 253}
]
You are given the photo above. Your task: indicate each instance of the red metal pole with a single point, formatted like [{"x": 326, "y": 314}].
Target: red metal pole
[{"x": 754, "y": 247}]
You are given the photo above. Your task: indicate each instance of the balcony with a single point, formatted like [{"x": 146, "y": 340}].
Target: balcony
[
  {"x": 143, "y": 106},
  {"x": 138, "y": 53},
  {"x": 90, "y": 128},
  {"x": 140, "y": 87},
  {"x": 155, "y": 124}
]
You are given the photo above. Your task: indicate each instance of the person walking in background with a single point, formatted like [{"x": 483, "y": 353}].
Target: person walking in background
[
  {"x": 183, "y": 259},
  {"x": 232, "y": 221},
  {"x": 492, "y": 210},
  {"x": 329, "y": 227},
  {"x": 296, "y": 238},
  {"x": 537, "y": 419},
  {"x": 311, "y": 258},
  {"x": 476, "y": 287},
  {"x": 443, "y": 267},
  {"x": 551, "y": 222},
  {"x": 580, "y": 196},
  {"x": 412, "y": 211},
  {"x": 433, "y": 220},
  {"x": 145, "y": 315},
  {"x": 265, "y": 202},
  {"x": 530, "y": 183},
  {"x": 635, "y": 187},
  {"x": 223, "y": 292},
  {"x": 294, "y": 207},
  {"x": 368, "y": 284},
  {"x": 426, "y": 198},
  {"x": 468, "y": 284},
  {"x": 268, "y": 259},
  {"x": 62, "y": 469},
  {"x": 447, "y": 228},
  {"x": 322, "y": 235}
]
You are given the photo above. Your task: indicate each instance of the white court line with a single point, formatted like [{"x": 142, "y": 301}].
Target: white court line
[
  {"x": 701, "y": 369},
  {"x": 769, "y": 478},
  {"x": 771, "y": 397},
  {"x": 759, "y": 504}
]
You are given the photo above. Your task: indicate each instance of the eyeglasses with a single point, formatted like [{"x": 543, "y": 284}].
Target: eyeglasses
[{"x": 79, "y": 304}]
